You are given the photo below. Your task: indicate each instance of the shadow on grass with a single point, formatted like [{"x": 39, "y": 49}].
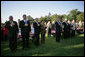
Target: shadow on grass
[{"x": 66, "y": 47}]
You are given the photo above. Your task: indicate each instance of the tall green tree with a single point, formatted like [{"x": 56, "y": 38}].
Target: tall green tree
[
  {"x": 54, "y": 16},
  {"x": 80, "y": 17},
  {"x": 30, "y": 19},
  {"x": 73, "y": 14},
  {"x": 63, "y": 17}
]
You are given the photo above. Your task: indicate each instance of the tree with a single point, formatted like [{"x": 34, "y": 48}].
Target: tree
[
  {"x": 80, "y": 17},
  {"x": 69, "y": 17},
  {"x": 46, "y": 18},
  {"x": 63, "y": 17},
  {"x": 54, "y": 17},
  {"x": 73, "y": 14},
  {"x": 49, "y": 16},
  {"x": 30, "y": 19}
]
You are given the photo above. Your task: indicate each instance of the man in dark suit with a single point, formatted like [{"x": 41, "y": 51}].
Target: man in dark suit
[
  {"x": 58, "y": 29},
  {"x": 37, "y": 29},
  {"x": 66, "y": 29},
  {"x": 69, "y": 28},
  {"x": 12, "y": 33},
  {"x": 25, "y": 30}
]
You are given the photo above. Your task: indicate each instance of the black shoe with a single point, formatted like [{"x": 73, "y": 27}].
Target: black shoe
[
  {"x": 57, "y": 41},
  {"x": 22, "y": 48},
  {"x": 13, "y": 50}
]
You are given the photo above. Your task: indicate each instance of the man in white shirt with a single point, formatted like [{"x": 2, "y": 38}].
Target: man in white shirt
[{"x": 73, "y": 27}]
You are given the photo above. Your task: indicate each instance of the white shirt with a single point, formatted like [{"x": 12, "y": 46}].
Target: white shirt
[
  {"x": 11, "y": 23},
  {"x": 73, "y": 26},
  {"x": 19, "y": 31},
  {"x": 25, "y": 21},
  {"x": 32, "y": 29}
]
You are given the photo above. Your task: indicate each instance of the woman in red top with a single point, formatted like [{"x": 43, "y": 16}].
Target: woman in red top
[
  {"x": 1, "y": 32},
  {"x": 5, "y": 33}
]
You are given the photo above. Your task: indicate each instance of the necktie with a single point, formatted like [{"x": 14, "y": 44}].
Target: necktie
[{"x": 59, "y": 23}]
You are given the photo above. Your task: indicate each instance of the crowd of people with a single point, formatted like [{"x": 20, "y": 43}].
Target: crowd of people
[{"x": 26, "y": 29}]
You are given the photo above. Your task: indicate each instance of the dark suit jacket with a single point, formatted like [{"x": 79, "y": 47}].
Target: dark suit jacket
[
  {"x": 12, "y": 31},
  {"x": 66, "y": 27},
  {"x": 69, "y": 27},
  {"x": 37, "y": 28},
  {"x": 25, "y": 29},
  {"x": 58, "y": 27}
]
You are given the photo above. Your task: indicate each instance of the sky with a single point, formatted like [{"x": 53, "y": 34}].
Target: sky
[{"x": 36, "y": 9}]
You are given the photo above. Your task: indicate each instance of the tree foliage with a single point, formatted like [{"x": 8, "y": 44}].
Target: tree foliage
[
  {"x": 73, "y": 14},
  {"x": 80, "y": 17},
  {"x": 30, "y": 19}
]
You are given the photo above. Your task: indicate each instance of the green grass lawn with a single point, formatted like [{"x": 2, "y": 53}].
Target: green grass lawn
[{"x": 67, "y": 47}]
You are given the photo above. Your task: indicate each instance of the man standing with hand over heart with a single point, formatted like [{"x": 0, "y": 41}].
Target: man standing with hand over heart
[
  {"x": 25, "y": 30},
  {"x": 12, "y": 33}
]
